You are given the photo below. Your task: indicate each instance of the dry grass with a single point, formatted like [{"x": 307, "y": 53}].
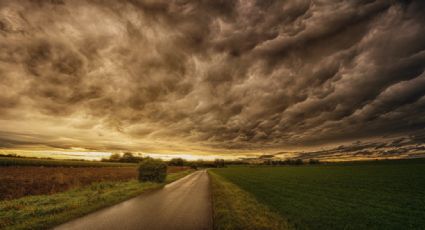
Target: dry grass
[{"x": 16, "y": 182}]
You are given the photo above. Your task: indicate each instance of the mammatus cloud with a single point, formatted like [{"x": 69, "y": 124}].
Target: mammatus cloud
[{"x": 209, "y": 76}]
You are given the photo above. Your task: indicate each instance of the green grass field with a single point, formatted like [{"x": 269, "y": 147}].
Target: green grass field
[
  {"x": 15, "y": 161},
  {"x": 351, "y": 196}
]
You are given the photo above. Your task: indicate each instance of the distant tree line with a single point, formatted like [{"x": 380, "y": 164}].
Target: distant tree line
[
  {"x": 217, "y": 163},
  {"x": 129, "y": 157},
  {"x": 10, "y": 155},
  {"x": 291, "y": 162}
]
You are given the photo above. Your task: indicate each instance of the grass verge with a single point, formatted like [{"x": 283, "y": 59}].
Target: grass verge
[
  {"x": 45, "y": 211},
  {"x": 236, "y": 209}
]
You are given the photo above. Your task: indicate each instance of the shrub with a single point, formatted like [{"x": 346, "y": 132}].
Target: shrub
[{"x": 153, "y": 170}]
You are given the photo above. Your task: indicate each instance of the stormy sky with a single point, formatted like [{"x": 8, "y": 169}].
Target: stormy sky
[{"x": 319, "y": 78}]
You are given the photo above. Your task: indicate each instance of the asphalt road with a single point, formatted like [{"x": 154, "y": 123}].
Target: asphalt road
[{"x": 184, "y": 204}]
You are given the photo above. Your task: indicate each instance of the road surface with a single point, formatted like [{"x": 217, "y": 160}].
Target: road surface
[{"x": 184, "y": 204}]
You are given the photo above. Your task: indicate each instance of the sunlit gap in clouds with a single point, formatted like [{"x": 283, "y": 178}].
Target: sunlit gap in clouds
[{"x": 95, "y": 156}]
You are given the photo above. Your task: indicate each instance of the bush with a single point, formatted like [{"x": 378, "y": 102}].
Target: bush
[{"x": 153, "y": 170}]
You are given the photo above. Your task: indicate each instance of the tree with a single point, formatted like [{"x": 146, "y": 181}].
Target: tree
[
  {"x": 177, "y": 162},
  {"x": 219, "y": 163},
  {"x": 129, "y": 157},
  {"x": 115, "y": 157},
  {"x": 313, "y": 161},
  {"x": 298, "y": 162}
]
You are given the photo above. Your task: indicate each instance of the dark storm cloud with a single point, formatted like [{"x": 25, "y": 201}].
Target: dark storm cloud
[
  {"x": 405, "y": 147},
  {"x": 215, "y": 75}
]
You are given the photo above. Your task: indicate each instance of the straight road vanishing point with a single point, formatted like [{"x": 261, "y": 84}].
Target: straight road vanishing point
[{"x": 183, "y": 204}]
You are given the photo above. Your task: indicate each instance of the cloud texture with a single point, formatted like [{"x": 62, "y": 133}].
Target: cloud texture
[{"x": 210, "y": 76}]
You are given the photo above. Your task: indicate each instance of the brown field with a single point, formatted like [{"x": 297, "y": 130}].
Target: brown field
[{"x": 17, "y": 182}]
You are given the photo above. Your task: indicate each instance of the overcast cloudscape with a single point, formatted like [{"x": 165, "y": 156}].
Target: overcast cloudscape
[{"x": 213, "y": 76}]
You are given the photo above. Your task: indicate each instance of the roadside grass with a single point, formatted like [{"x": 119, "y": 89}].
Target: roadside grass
[
  {"x": 357, "y": 196},
  {"x": 236, "y": 209},
  {"x": 45, "y": 211}
]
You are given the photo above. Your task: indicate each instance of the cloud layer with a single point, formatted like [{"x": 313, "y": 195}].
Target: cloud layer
[{"x": 210, "y": 76}]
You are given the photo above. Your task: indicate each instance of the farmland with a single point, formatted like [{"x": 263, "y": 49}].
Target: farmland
[
  {"x": 39, "y": 193},
  {"x": 350, "y": 196},
  {"x": 44, "y": 211},
  {"x": 17, "y": 182}
]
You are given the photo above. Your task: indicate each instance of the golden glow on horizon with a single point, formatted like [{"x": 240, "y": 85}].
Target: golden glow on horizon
[{"x": 86, "y": 155}]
